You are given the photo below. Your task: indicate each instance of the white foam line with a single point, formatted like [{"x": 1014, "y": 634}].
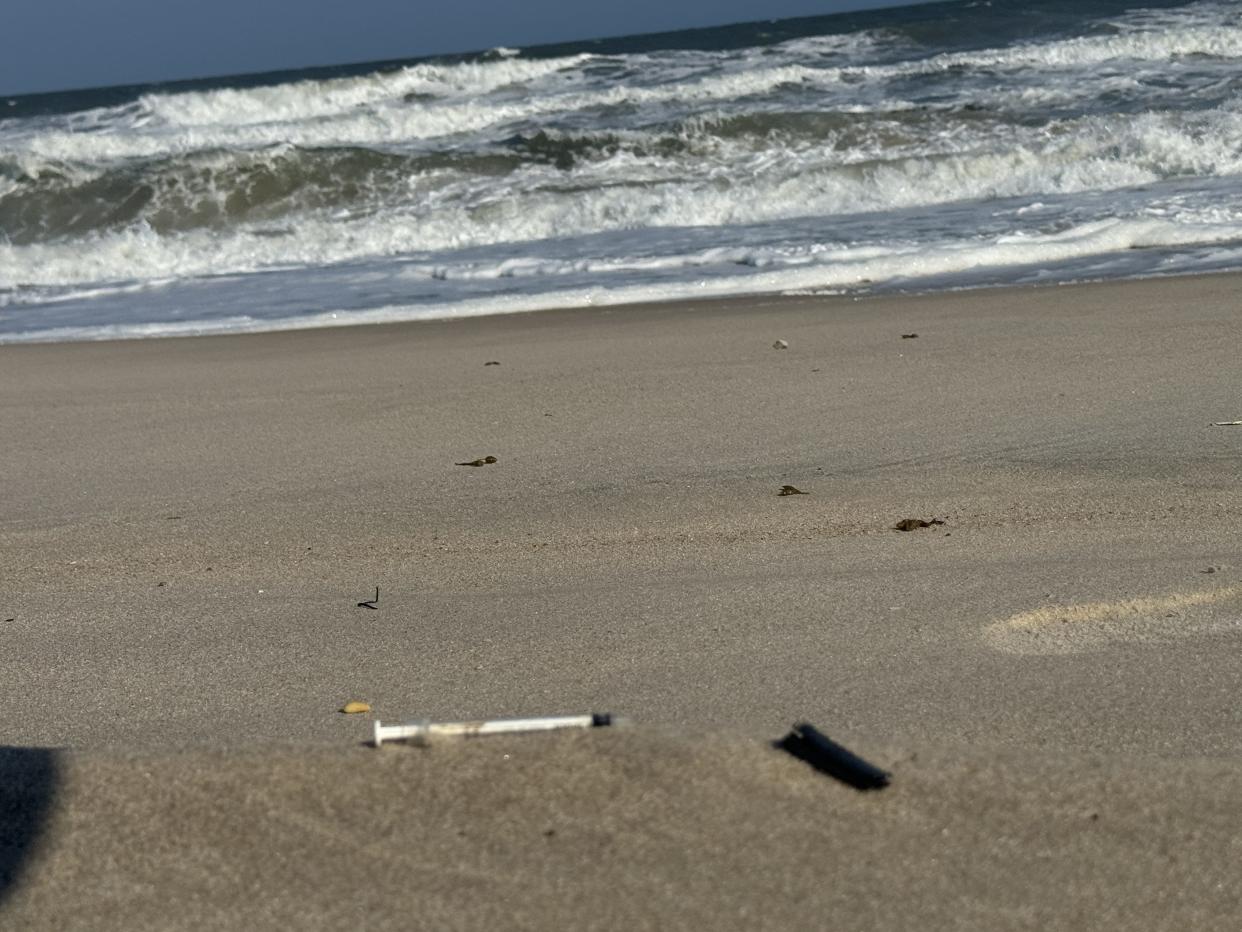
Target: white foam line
[{"x": 910, "y": 266}]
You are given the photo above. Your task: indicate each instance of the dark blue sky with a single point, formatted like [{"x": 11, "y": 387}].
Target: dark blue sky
[{"x": 61, "y": 44}]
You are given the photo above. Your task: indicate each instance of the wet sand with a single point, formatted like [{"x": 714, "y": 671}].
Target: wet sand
[{"x": 188, "y": 526}]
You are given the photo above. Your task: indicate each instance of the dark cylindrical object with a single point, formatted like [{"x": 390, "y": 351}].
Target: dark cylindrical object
[{"x": 807, "y": 743}]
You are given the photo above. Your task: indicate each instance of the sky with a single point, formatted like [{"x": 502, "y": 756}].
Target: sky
[{"x": 48, "y": 45}]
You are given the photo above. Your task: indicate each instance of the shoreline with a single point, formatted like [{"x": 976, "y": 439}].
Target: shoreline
[{"x": 747, "y": 301}]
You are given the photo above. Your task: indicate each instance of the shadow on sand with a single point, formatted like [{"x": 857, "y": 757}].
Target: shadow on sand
[{"x": 28, "y": 778}]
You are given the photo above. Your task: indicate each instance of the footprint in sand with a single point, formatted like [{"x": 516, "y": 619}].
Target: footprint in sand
[{"x": 1072, "y": 629}]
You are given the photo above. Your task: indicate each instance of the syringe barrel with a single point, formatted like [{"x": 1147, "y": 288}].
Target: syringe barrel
[{"x": 406, "y": 731}]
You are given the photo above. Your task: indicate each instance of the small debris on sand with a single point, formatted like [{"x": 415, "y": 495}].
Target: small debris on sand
[
  {"x": 790, "y": 490},
  {"x": 913, "y": 524},
  {"x": 909, "y": 336},
  {"x": 780, "y": 344},
  {"x": 491, "y": 362},
  {"x": 480, "y": 462},
  {"x": 354, "y": 707}
]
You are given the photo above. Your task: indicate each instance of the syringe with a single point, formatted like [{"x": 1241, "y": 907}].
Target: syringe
[{"x": 422, "y": 731}]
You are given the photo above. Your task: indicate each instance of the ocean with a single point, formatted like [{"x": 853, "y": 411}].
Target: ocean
[{"x": 920, "y": 148}]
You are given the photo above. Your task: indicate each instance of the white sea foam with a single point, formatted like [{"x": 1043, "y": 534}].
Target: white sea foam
[
  {"x": 1217, "y": 41},
  {"x": 316, "y": 100}
]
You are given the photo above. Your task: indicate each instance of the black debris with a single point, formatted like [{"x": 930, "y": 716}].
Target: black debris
[
  {"x": 913, "y": 524},
  {"x": 371, "y": 603},
  {"x": 807, "y": 743},
  {"x": 479, "y": 462},
  {"x": 790, "y": 490}
]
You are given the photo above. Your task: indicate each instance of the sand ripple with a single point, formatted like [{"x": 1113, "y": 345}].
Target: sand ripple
[{"x": 1068, "y": 629}]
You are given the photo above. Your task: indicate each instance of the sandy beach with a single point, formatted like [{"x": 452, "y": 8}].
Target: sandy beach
[{"x": 1051, "y": 674}]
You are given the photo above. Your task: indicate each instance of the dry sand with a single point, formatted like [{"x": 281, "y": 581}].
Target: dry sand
[{"x": 1051, "y": 675}]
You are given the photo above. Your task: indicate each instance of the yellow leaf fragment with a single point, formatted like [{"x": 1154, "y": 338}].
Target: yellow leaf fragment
[{"x": 354, "y": 707}]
